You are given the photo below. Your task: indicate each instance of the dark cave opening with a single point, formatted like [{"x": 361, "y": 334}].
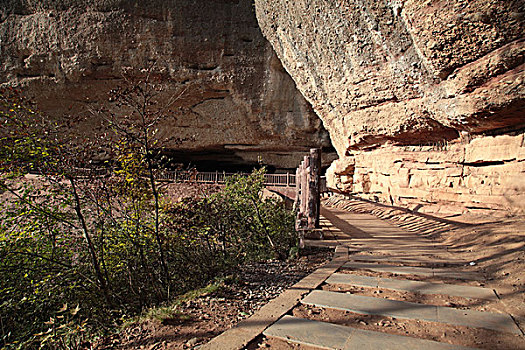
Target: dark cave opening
[{"x": 212, "y": 160}]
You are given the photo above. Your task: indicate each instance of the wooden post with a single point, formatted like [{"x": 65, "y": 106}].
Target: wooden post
[
  {"x": 297, "y": 187},
  {"x": 304, "y": 185},
  {"x": 300, "y": 201},
  {"x": 308, "y": 200},
  {"x": 314, "y": 190}
]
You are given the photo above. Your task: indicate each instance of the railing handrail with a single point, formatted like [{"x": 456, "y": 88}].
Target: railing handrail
[
  {"x": 218, "y": 177},
  {"x": 284, "y": 180}
]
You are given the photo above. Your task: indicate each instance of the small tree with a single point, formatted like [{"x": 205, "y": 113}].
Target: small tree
[
  {"x": 135, "y": 125},
  {"x": 43, "y": 223}
]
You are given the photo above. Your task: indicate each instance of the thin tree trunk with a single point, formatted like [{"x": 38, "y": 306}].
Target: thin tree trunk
[
  {"x": 91, "y": 247},
  {"x": 149, "y": 163}
]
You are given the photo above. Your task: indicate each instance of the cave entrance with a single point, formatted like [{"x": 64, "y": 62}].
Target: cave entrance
[
  {"x": 230, "y": 161},
  {"x": 214, "y": 160}
]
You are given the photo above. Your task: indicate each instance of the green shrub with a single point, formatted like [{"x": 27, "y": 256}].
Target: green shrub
[{"x": 113, "y": 245}]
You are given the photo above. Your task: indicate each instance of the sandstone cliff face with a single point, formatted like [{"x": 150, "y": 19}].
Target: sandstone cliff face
[
  {"x": 237, "y": 101},
  {"x": 482, "y": 175},
  {"x": 410, "y": 91},
  {"x": 402, "y": 71}
]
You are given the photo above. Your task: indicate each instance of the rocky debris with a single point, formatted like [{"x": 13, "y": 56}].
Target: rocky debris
[{"x": 232, "y": 97}]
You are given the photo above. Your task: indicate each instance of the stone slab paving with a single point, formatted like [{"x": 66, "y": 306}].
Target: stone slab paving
[
  {"x": 239, "y": 336},
  {"x": 469, "y": 292},
  {"x": 411, "y": 270},
  {"x": 402, "y": 309},
  {"x": 331, "y": 336},
  {"x": 408, "y": 258}
]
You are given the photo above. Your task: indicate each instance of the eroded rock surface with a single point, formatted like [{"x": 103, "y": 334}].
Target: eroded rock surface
[
  {"x": 402, "y": 71},
  {"x": 480, "y": 175},
  {"x": 236, "y": 100},
  {"x": 410, "y": 91}
]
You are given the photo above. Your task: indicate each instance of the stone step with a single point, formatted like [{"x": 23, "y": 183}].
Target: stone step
[
  {"x": 410, "y": 270},
  {"x": 469, "y": 292},
  {"x": 393, "y": 248},
  {"x": 407, "y": 259},
  {"x": 402, "y": 309},
  {"x": 330, "y": 336}
]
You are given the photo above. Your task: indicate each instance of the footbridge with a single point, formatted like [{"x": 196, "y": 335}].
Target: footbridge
[
  {"x": 284, "y": 184},
  {"x": 270, "y": 180}
]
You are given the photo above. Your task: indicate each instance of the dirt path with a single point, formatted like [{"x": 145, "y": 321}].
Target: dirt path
[{"x": 195, "y": 321}]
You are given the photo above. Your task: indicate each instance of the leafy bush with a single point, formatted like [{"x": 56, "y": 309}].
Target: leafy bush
[
  {"x": 110, "y": 245},
  {"x": 231, "y": 227},
  {"x": 45, "y": 264}
]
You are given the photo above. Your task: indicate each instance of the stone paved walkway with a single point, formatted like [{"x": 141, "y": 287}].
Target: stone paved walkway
[
  {"x": 331, "y": 336},
  {"x": 469, "y": 292},
  {"x": 386, "y": 248},
  {"x": 376, "y": 245}
]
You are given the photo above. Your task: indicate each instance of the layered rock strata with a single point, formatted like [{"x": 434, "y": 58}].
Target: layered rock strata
[
  {"x": 390, "y": 74},
  {"x": 481, "y": 175},
  {"x": 235, "y": 101}
]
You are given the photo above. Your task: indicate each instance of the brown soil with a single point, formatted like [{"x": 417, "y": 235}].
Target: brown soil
[
  {"x": 197, "y": 321},
  {"x": 498, "y": 249}
]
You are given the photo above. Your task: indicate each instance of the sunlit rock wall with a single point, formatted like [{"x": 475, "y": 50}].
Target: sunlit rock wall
[
  {"x": 236, "y": 101},
  {"x": 388, "y": 74}
]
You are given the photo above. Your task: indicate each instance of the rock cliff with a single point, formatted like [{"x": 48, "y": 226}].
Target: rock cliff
[
  {"x": 410, "y": 90},
  {"x": 481, "y": 175},
  {"x": 238, "y": 103}
]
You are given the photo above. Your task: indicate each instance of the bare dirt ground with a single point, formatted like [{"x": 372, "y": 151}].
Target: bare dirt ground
[{"x": 197, "y": 321}]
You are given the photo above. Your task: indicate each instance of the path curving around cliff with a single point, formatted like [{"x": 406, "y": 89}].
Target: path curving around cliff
[{"x": 410, "y": 281}]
